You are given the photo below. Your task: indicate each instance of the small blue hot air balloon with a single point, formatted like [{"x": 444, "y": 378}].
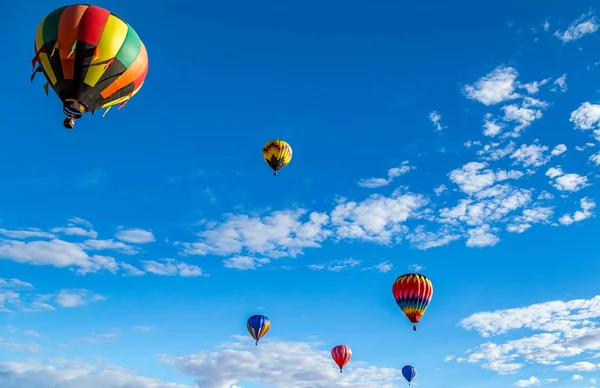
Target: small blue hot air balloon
[
  {"x": 409, "y": 373},
  {"x": 258, "y": 326}
]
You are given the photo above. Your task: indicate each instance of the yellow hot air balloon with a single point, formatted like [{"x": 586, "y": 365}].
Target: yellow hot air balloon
[{"x": 277, "y": 154}]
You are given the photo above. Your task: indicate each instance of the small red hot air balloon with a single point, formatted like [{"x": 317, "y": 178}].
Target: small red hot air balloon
[{"x": 341, "y": 354}]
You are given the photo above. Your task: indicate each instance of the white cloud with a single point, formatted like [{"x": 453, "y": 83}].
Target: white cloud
[
  {"x": 29, "y": 347},
  {"x": 561, "y": 84},
  {"x": 440, "y": 189},
  {"x": 436, "y": 120},
  {"x": 471, "y": 143},
  {"x": 533, "y": 155},
  {"x": 534, "y": 87},
  {"x": 564, "y": 330},
  {"x": 99, "y": 245},
  {"x": 586, "y": 145},
  {"x": 65, "y": 373},
  {"x": 559, "y": 149},
  {"x": 585, "y": 24},
  {"x": 582, "y": 366},
  {"x": 546, "y": 25},
  {"x": 377, "y": 218},
  {"x": 81, "y": 221},
  {"x": 75, "y": 231},
  {"x": 534, "y": 215},
  {"x": 474, "y": 177},
  {"x": 135, "y": 236},
  {"x": 566, "y": 182},
  {"x": 495, "y": 87},
  {"x": 96, "y": 338},
  {"x": 392, "y": 173},
  {"x": 529, "y": 382},
  {"x": 335, "y": 266},
  {"x": 494, "y": 151},
  {"x": 244, "y": 263},
  {"x": 171, "y": 267},
  {"x": 57, "y": 253},
  {"x": 76, "y": 298},
  {"x": 524, "y": 116},
  {"x": 422, "y": 239},
  {"x": 280, "y": 234},
  {"x": 26, "y": 233},
  {"x": 595, "y": 158},
  {"x": 587, "y": 117},
  {"x": 482, "y": 236},
  {"x": 587, "y": 205},
  {"x": 373, "y": 183},
  {"x": 554, "y": 172},
  {"x": 415, "y": 267},
  {"x": 130, "y": 270},
  {"x": 304, "y": 364},
  {"x": 548, "y": 316},
  {"x": 383, "y": 267},
  {"x": 491, "y": 127},
  {"x": 577, "y": 377},
  {"x": 17, "y": 295}
]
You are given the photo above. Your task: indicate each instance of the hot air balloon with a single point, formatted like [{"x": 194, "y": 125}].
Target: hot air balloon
[
  {"x": 409, "y": 373},
  {"x": 258, "y": 326},
  {"x": 277, "y": 154},
  {"x": 413, "y": 293},
  {"x": 90, "y": 57},
  {"x": 341, "y": 354}
]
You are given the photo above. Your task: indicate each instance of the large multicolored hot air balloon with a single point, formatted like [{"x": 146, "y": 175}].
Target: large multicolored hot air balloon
[
  {"x": 413, "y": 293},
  {"x": 341, "y": 354},
  {"x": 409, "y": 372},
  {"x": 258, "y": 326},
  {"x": 277, "y": 154},
  {"x": 90, "y": 57}
]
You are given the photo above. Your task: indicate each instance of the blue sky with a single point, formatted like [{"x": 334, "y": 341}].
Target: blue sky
[{"x": 457, "y": 139}]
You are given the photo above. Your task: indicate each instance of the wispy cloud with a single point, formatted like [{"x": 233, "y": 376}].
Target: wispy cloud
[
  {"x": 583, "y": 25},
  {"x": 76, "y": 298},
  {"x": 135, "y": 236},
  {"x": 436, "y": 119},
  {"x": 92, "y": 178},
  {"x": 335, "y": 266},
  {"x": 392, "y": 173}
]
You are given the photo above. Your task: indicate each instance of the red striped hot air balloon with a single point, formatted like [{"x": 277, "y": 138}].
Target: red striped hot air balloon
[
  {"x": 412, "y": 293},
  {"x": 341, "y": 354}
]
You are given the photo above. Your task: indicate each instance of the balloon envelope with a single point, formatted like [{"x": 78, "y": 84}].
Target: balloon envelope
[
  {"x": 258, "y": 326},
  {"x": 409, "y": 372},
  {"x": 341, "y": 354},
  {"x": 277, "y": 154},
  {"x": 413, "y": 293},
  {"x": 91, "y": 58}
]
